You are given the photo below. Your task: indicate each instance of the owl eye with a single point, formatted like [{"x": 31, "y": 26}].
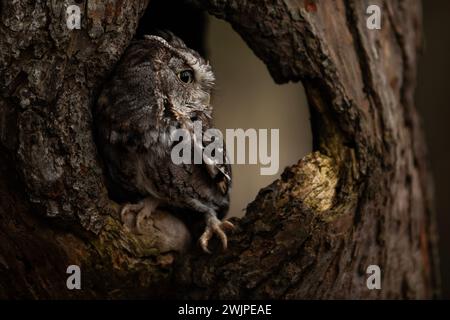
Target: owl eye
[{"x": 187, "y": 76}]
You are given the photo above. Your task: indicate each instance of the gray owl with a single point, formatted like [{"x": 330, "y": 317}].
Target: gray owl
[{"x": 160, "y": 84}]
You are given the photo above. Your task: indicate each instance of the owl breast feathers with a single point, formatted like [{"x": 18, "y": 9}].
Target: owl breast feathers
[{"x": 160, "y": 84}]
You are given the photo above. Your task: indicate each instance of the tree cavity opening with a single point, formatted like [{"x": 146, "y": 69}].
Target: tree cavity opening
[{"x": 245, "y": 95}]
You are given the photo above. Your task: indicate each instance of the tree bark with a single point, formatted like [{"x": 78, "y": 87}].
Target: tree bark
[{"x": 361, "y": 198}]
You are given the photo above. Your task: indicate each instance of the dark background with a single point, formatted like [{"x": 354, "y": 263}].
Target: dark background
[{"x": 433, "y": 101}]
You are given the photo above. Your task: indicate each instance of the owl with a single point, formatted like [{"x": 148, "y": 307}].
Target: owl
[{"x": 158, "y": 85}]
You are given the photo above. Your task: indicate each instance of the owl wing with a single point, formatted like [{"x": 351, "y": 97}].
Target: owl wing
[{"x": 219, "y": 171}]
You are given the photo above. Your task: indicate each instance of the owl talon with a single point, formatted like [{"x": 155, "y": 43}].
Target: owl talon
[
  {"x": 133, "y": 215},
  {"x": 215, "y": 226}
]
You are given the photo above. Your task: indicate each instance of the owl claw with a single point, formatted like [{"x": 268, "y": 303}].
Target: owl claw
[
  {"x": 133, "y": 215},
  {"x": 215, "y": 226}
]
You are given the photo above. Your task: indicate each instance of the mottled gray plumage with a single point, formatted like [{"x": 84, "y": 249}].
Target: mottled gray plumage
[{"x": 158, "y": 84}]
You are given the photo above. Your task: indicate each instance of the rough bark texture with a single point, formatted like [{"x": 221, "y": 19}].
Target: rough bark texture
[{"x": 361, "y": 198}]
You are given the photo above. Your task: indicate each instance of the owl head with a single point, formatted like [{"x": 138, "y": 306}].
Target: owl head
[{"x": 174, "y": 81}]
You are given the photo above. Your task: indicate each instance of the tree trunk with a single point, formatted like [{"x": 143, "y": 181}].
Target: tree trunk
[{"x": 361, "y": 198}]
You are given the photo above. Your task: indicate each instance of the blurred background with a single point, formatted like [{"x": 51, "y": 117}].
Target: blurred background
[
  {"x": 433, "y": 101},
  {"x": 247, "y": 97}
]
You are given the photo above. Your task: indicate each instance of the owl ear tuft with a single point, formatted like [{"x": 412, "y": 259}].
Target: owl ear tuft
[{"x": 170, "y": 38}]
